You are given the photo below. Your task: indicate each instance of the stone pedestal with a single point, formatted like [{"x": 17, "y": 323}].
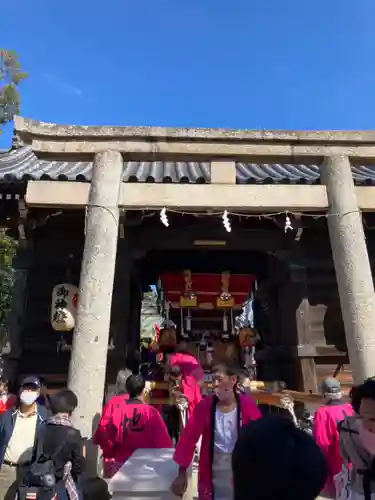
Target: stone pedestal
[
  {"x": 352, "y": 266},
  {"x": 90, "y": 341}
]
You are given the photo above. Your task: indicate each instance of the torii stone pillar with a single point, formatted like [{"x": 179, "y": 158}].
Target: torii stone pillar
[
  {"x": 352, "y": 266},
  {"x": 88, "y": 361}
]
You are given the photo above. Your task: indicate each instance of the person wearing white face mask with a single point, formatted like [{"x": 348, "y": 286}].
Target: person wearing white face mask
[{"x": 18, "y": 430}]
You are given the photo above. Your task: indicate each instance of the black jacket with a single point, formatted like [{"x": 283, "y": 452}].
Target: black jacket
[{"x": 52, "y": 437}]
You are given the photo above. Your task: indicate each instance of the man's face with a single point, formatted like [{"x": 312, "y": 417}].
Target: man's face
[
  {"x": 224, "y": 382},
  {"x": 30, "y": 388},
  {"x": 367, "y": 414},
  {"x": 175, "y": 383}
]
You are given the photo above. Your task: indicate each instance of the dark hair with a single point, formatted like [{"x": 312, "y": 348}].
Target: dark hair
[
  {"x": 132, "y": 359},
  {"x": 63, "y": 401},
  {"x": 301, "y": 473},
  {"x": 225, "y": 369},
  {"x": 167, "y": 349},
  {"x": 175, "y": 371},
  {"x": 135, "y": 385},
  {"x": 363, "y": 391},
  {"x": 122, "y": 377},
  {"x": 96, "y": 488}
]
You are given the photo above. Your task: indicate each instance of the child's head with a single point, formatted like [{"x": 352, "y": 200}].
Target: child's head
[
  {"x": 95, "y": 488},
  {"x": 63, "y": 401},
  {"x": 274, "y": 459},
  {"x": 363, "y": 402},
  {"x": 135, "y": 386}
]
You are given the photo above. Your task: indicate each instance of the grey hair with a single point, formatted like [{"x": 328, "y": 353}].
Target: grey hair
[{"x": 122, "y": 377}]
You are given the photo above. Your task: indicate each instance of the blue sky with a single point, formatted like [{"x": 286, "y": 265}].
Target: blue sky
[{"x": 259, "y": 64}]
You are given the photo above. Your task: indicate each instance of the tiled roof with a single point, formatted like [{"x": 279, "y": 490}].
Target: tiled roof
[
  {"x": 265, "y": 173},
  {"x": 22, "y": 164},
  {"x": 285, "y": 173}
]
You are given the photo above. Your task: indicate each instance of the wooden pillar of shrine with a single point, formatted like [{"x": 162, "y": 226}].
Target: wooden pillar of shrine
[
  {"x": 121, "y": 308},
  {"x": 295, "y": 330},
  {"x": 133, "y": 339}
]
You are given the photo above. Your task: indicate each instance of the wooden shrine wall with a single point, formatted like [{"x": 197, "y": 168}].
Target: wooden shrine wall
[
  {"x": 56, "y": 254},
  {"x": 319, "y": 336},
  {"x": 55, "y": 247}
]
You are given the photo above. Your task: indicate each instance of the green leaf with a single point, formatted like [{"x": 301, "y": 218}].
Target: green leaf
[
  {"x": 11, "y": 75},
  {"x": 8, "y": 248}
]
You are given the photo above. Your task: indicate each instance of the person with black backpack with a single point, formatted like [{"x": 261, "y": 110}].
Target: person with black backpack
[
  {"x": 357, "y": 446},
  {"x": 59, "y": 457}
]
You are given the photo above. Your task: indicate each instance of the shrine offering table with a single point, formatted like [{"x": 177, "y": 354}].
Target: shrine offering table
[{"x": 147, "y": 474}]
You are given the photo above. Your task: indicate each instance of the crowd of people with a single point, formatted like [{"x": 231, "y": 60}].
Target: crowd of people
[{"x": 242, "y": 453}]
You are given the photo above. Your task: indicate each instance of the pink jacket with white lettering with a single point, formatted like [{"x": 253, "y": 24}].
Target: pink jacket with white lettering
[{"x": 202, "y": 423}]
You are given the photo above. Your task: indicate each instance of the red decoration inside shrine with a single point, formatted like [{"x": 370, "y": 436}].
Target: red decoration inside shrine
[{"x": 205, "y": 291}]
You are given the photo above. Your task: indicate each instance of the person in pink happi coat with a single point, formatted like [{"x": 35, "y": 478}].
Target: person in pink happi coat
[
  {"x": 325, "y": 428},
  {"x": 187, "y": 387},
  {"x": 189, "y": 365},
  {"x": 101, "y": 436},
  {"x": 184, "y": 369},
  {"x": 217, "y": 419},
  {"x": 131, "y": 424}
]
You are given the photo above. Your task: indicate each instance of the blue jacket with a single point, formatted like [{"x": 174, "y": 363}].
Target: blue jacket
[{"x": 7, "y": 420}]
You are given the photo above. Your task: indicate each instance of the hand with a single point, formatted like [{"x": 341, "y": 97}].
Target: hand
[{"x": 179, "y": 485}]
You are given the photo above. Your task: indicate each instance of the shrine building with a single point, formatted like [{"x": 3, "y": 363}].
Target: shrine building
[{"x": 87, "y": 206}]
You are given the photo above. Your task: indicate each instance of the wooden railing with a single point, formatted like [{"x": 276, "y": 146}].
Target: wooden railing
[{"x": 262, "y": 391}]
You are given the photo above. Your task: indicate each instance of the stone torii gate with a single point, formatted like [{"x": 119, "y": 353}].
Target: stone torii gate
[{"x": 337, "y": 196}]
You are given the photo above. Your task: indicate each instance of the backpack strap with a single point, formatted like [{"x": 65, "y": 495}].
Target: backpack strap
[
  {"x": 368, "y": 476},
  {"x": 39, "y": 453}
]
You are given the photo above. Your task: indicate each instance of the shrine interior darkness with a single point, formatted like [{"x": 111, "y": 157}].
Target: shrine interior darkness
[{"x": 203, "y": 260}]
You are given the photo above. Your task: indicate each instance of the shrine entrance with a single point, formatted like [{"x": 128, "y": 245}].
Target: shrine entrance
[{"x": 223, "y": 303}]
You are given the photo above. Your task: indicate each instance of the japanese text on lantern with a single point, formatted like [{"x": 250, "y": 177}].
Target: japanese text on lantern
[
  {"x": 61, "y": 303},
  {"x": 60, "y": 316},
  {"x": 64, "y": 305}
]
